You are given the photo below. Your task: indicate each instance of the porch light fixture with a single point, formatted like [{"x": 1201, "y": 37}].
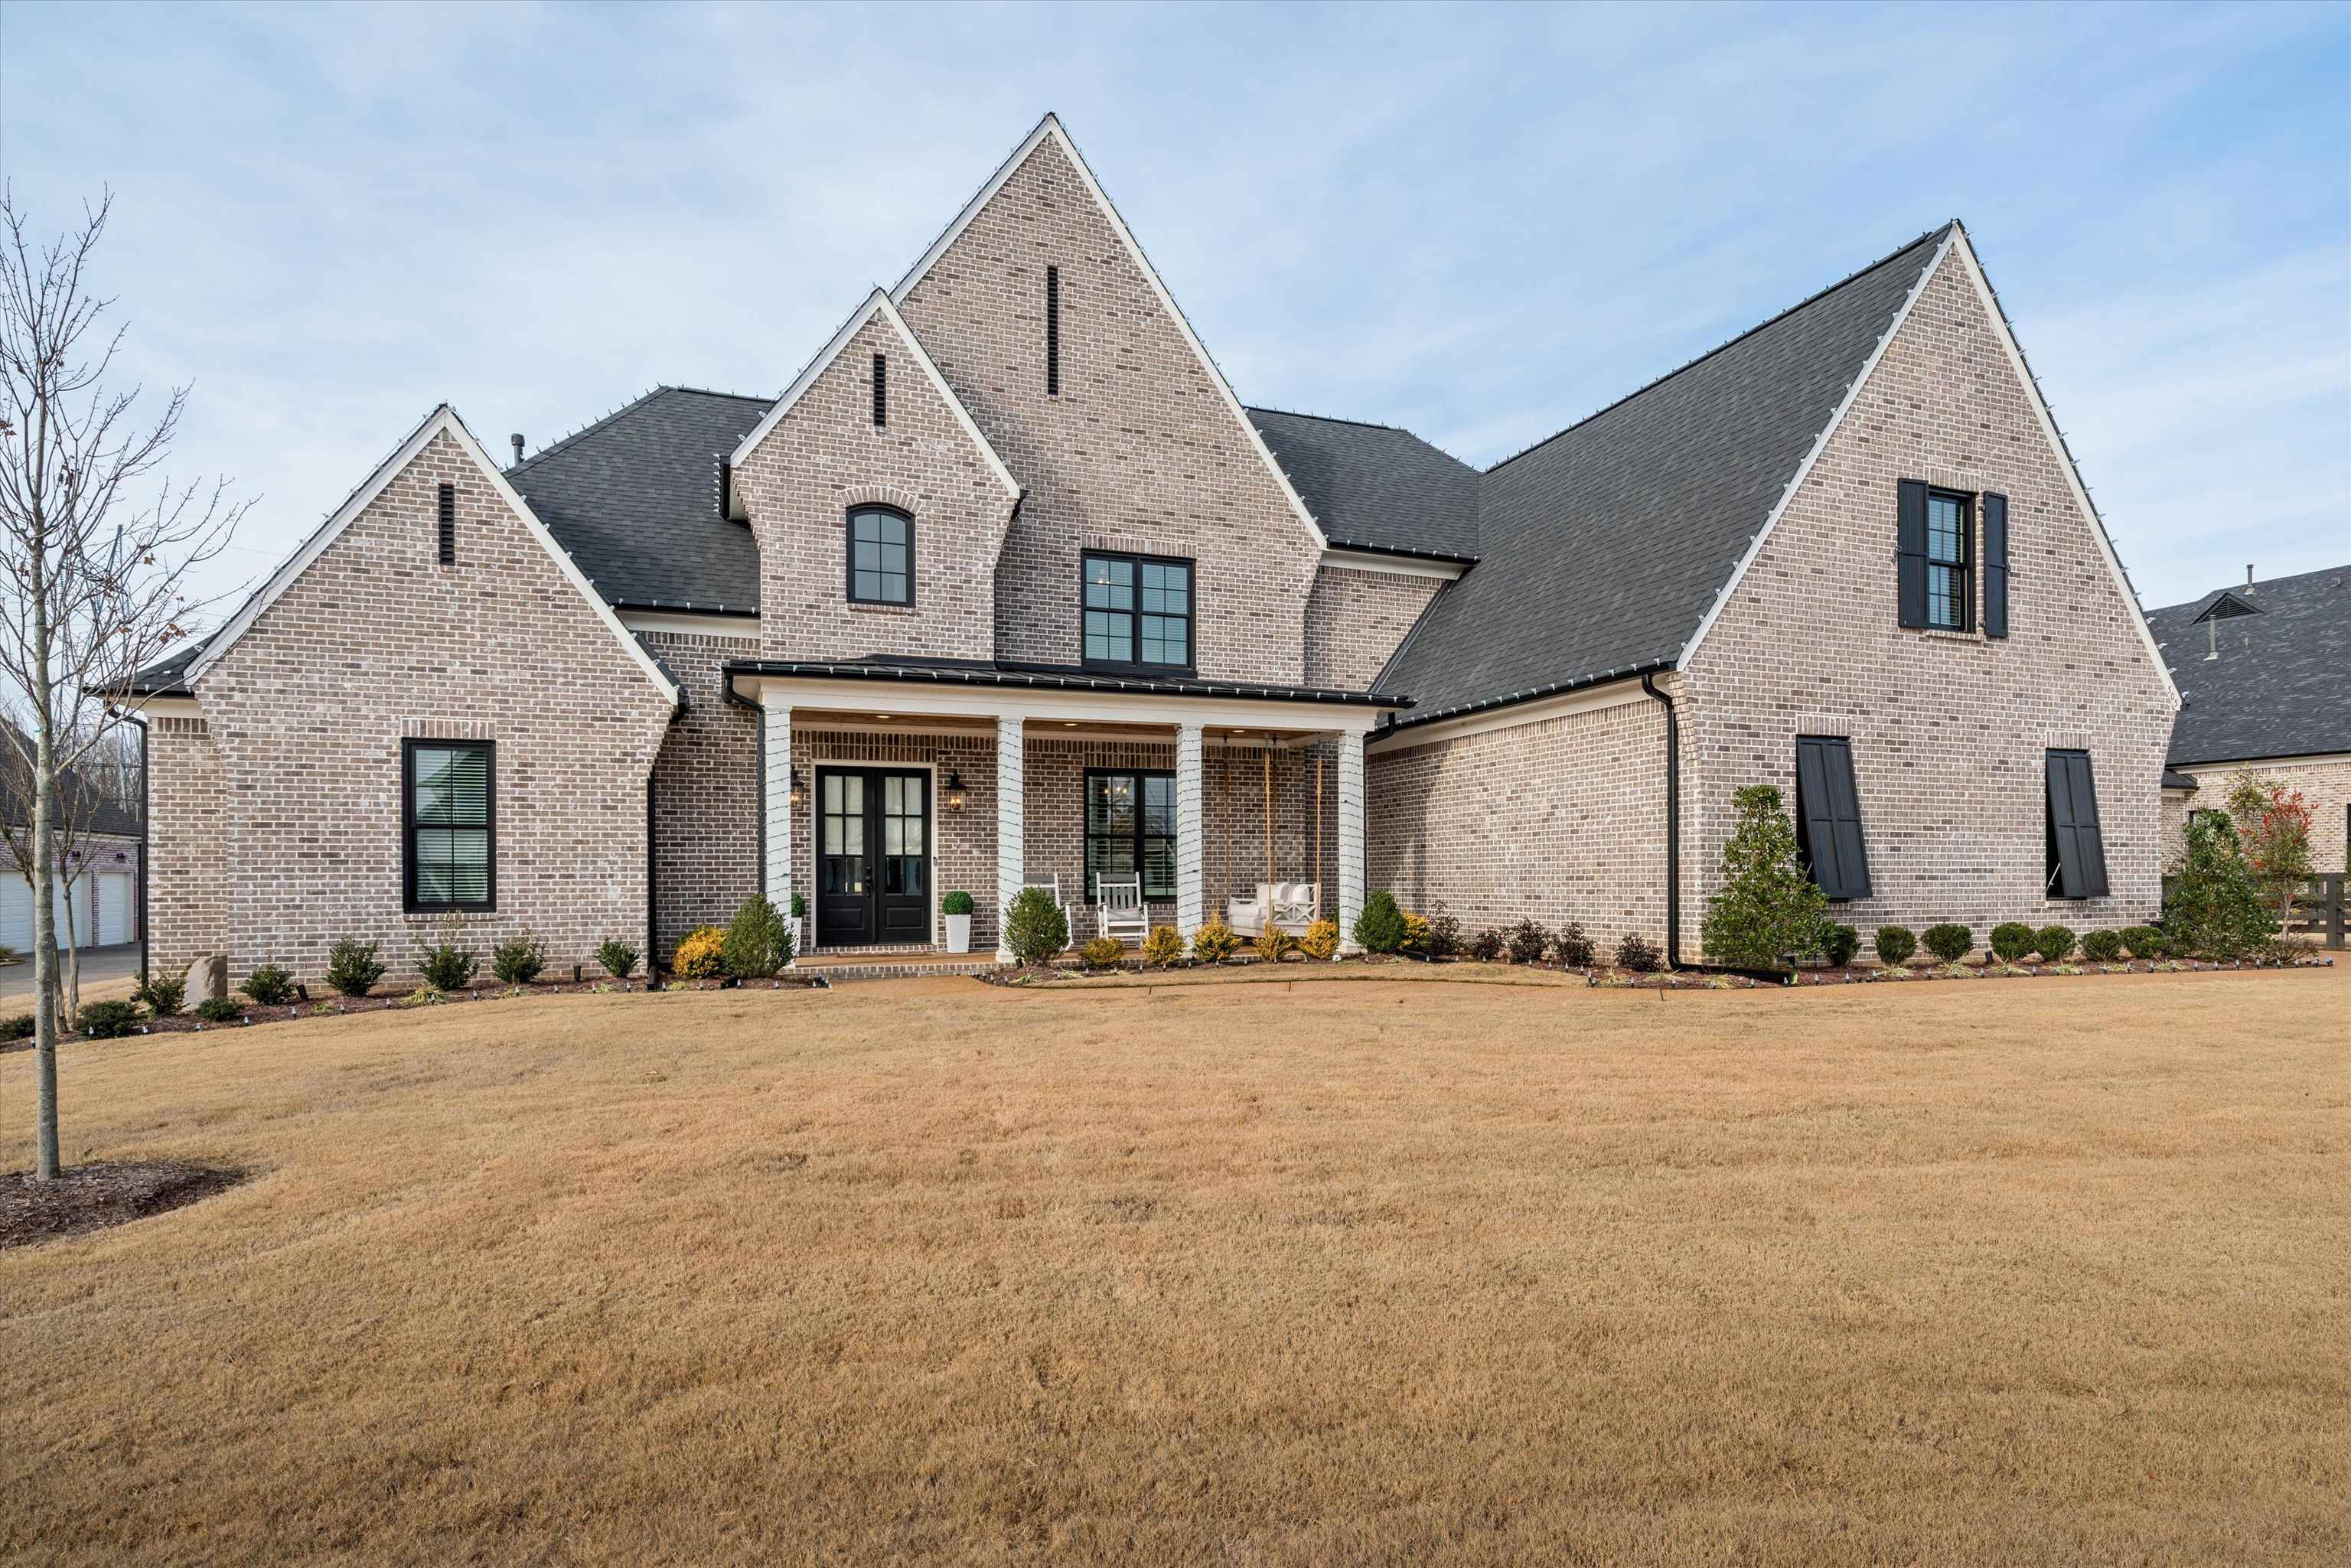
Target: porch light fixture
[
  {"x": 955, "y": 790},
  {"x": 800, "y": 792}
]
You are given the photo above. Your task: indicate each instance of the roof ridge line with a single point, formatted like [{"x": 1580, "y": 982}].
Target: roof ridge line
[
  {"x": 2258, "y": 585},
  {"x": 714, "y": 391},
  {"x": 1326, "y": 418},
  {"x": 1730, "y": 342},
  {"x": 561, "y": 441}
]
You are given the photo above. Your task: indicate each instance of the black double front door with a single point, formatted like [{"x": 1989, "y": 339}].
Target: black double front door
[{"x": 872, "y": 856}]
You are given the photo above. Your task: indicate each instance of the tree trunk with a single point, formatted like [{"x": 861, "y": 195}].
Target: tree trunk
[
  {"x": 44, "y": 958},
  {"x": 73, "y": 953}
]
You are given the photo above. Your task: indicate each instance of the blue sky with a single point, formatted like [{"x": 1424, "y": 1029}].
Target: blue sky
[{"x": 1480, "y": 224}]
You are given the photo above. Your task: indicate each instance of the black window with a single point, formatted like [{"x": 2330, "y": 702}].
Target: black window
[
  {"x": 1950, "y": 598},
  {"x": 1052, "y": 331},
  {"x": 449, "y": 822},
  {"x": 1130, "y": 827},
  {"x": 881, "y": 556},
  {"x": 448, "y": 525},
  {"x": 881, "y": 390},
  {"x": 2076, "y": 849},
  {"x": 1828, "y": 817},
  {"x": 1138, "y": 612}
]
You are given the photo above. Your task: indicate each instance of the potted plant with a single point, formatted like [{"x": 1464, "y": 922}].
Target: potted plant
[{"x": 958, "y": 906}]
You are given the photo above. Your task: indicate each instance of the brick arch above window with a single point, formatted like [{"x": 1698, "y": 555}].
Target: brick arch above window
[{"x": 889, "y": 495}]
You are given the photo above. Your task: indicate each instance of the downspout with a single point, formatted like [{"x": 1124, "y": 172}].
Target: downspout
[
  {"x": 146, "y": 832},
  {"x": 1673, "y": 824},
  {"x": 653, "y": 865}
]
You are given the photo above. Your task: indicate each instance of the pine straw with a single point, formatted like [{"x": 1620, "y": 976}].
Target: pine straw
[{"x": 930, "y": 1272}]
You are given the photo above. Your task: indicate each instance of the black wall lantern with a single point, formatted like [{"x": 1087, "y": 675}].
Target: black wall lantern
[
  {"x": 955, "y": 790},
  {"x": 800, "y": 792}
]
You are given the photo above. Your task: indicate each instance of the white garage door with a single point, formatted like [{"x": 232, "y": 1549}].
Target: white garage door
[
  {"x": 15, "y": 913},
  {"x": 118, "y": 894}
]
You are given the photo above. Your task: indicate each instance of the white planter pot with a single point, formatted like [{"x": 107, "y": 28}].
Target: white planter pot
[{"x": 958, "y": 933}]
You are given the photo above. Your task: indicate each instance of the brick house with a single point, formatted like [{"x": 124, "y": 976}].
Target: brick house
[
  {"x": 1007, "y": 584},
  {"x": 2264, "y": 674}
]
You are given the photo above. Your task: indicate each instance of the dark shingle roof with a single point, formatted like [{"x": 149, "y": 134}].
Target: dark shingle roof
[
  {"x": 167, "y": 678},
  {"x": 1376, "y": 486},
  {"x": 1603, "y": 547},
  {"x": 2282, "y": 685},
  {"x": 88, "y": 809},
  {"x": 634, "y": 499}
]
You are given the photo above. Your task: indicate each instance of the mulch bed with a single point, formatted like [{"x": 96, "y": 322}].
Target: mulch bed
[
  {"x": 330, "y": 1006},
  {"x": 1701, "y": 980},
  {"x": 94, "y": 1196}
]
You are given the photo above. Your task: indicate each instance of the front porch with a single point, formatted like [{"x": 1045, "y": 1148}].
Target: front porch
[{"x": 879, "y": 799}]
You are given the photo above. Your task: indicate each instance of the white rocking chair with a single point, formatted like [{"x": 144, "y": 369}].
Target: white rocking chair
[
  {"x": 1051, "y": 883},
  {"x": 1122, "y": 914}
]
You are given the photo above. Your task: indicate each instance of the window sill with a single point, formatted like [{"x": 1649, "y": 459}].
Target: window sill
[
  {"x": 861, "y": 607},
  {"x": 434, "y": 916},
  {"x": 1943, "y": 634}
]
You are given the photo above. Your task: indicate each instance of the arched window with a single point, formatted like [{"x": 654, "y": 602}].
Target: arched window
[{"x": 881, "y": 556}]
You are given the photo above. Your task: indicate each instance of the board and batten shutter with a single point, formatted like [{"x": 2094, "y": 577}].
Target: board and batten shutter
[
  {"x": 1910, "y": 553},
  {"x": 2078, "y": 846},
  {"x": 1995, "y": 564},
  {"x": 1828, "y": 816}
]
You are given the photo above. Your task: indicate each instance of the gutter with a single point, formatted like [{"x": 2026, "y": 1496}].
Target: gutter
[
  {"x": 1535, "y": 694},
  {"x": 1673, "y": 823}
]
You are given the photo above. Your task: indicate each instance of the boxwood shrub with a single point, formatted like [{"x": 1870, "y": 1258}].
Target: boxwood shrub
[
  {"x": 1839, "y": 943},
  {"x": 1896, "y": 944},
  {"x": 2102, "y": 947},
  {"x": 1949, "y": 941},
  {"x": 269, "y": 986},
  {"x": 2053, "y": 943},
  {"x": 2142, "y": 941},
  {"x": 107, "y": 1020},
  {"x": 2012, "y": 940}
]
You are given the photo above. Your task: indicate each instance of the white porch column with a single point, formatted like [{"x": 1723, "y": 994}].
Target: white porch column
[
  {"x": 1350, "y": 836},
  {"x": 1011, "y": 822},
  {"x": 1191, "y": 863},
  {"x": 778, "y": 802}
]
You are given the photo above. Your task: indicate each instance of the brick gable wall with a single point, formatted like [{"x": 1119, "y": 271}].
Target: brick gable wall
[
  {"x": 827, "y": 455},
  {"x": 1139, "y": 452},
  {"x": 187, "y": 868},
  {"x": 375, "y": 642},
  {"x": 1355, "y": 621},
  {"x": 1947, "y": 731},
  {"x": 705, "y": 790}
]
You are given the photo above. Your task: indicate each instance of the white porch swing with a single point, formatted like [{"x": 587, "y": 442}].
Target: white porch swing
[{"x": 1292, "y": 906}]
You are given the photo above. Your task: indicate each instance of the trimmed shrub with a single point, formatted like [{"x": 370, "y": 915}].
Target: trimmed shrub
[
  {"x": 269, "y": 986},
  {"x": 2012, "y": 940},
  {"x": 1216, "y": 941},
  {"x": 1486, "y": 945},
  {"x": 1769, "y": 908},
  {"x": 1380, "y": 928},
  {"x": 1162, "y": 946},
  {"x": 219, "y": 1009},
  {"x": 1950, "y": 942},
  {"x": 1321, "y": 940},
  {"x": 619, "y": 960},
  {"x": 518, "y": 960},
  {"x": 21, "y": 1027},
  {"x": 701, "y": 955},
  {"x": 446, "y": 966},
  {"x": 800, "y": 907},
  {"x": 1571, "y": 946},
  {"x": 1839, "y": 943},
  {"x": 164, "y": 994},
  {"x": 1415, "y": 935},
  {"x": 759, "y": 941},
  {"x": 2142, "y": 941},
  {"x": 1896, "y": 944},
  {"x": 2215, "y": 907},
  {"x": 1035, "y": 929},
  {"x": 352, "y": 966},
  {"x": 1274, "y": 943},
  {"x": 957, "y": 902},
  {"x": 2102, "y": 947},
  {"x": 1102, "y": 952},
  {"x": 1638, "y": 954},
  {"x": 107, "y": 1020},
  {"x": 1526, "y": 942},
  {"x": 2053, "y": 943}
]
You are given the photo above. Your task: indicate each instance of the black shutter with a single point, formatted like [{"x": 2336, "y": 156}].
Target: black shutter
[
  {"x": 881, "y": 390},
  {"x": 1910, "y": 553},
  {"x": 448, "y": 525},
  {"x": 1995, "y": 564},
  {"x": 1828, "y": 816},
  {"x": 1052, "y": 331},
  {"x": 2077, "y": 848}
]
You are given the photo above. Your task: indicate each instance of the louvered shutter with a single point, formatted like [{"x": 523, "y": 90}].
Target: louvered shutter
[
  {"x": 1829, "y": 811},
  {"x": 1910, "y": 553},
  {"x": 1995, "y": 564},
  {"x": 2079, "y": 846}
]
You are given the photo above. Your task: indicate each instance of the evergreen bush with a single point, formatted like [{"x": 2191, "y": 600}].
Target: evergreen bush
[
  {"x": 1839, "y": 943},
  {"x": 1380, "y": 928},
  {"x": 1949, "y": 941},
  {"x": 2102, "y": 947},
  {"x": 1215, "y": 942},
  {"x": 518, "y": 960},
  {"x": 2053, "y": 943},
  {"x": 701, "y": 955},
  {"x": 1321, "y": 940},
  {"x": 1895, "y": 945},
  {"x": 1274, "y": 943},
  {"x": 1035, "y": 929},
  {"x": 165, "y": 994},
  {"x": 1769, "y": 908},
  {"x": 1102, "y": 952},
  {"x": 1638, "y": 954},
  {"x": 2010, "y": 941},
  {"x": 352, "y": 966},
  {"x": 1162, "y": 946},
  {"x": 2142, "y": 941},
  {"x": 21, "y": 1027},
  {"x": 2216, "y": 908},
  {"x": 269, "y": 986},
  {"x": 759, "y": 941},
  {"x": 619, "y": 959},
  {"x": 106, "y": 1021},
  {"x": 218, "y": 1009},
  {"x": 1571, "y": 946}
]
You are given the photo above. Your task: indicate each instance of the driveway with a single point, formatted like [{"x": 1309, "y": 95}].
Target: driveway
[{"x": 106, "y": 973}]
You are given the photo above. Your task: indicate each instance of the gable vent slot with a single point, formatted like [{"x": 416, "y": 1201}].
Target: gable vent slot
[
  {"x": 448, "y": 525},
  {"x": 881, "y": 392},
  {"x": 1052, "y": 331}
]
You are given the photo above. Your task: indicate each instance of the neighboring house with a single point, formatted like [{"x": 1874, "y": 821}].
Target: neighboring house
[
  {"x": 98, "y": 876},
  {"x": 1009, "y": 585},
  {"x": 2264, "y": 675}
]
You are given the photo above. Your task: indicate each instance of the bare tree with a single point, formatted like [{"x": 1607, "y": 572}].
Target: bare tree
[{"x": 95, "y": 561}]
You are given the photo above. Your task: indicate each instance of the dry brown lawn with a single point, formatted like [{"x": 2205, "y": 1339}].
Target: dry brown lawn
[{"x": 2044, "y": 1270}]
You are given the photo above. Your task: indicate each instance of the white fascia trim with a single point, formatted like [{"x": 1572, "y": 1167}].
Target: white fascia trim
[
  {"x": 165, "y": 707},
  {"x": 2315, "y": 759},
  {"x": 1394, "y": 565},
  {"x": 743, "y": 628},
  {"x": 1820, "y": 445},
  {"x": 443, "y": 419},
  {"x": 1616, "y": 693},
  {"x": 2073, "y": 475},
  {"x": 1049, "y": 706},
  {"x": 1050, "y": 126},
  {"x": 878, "y": 302}
]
